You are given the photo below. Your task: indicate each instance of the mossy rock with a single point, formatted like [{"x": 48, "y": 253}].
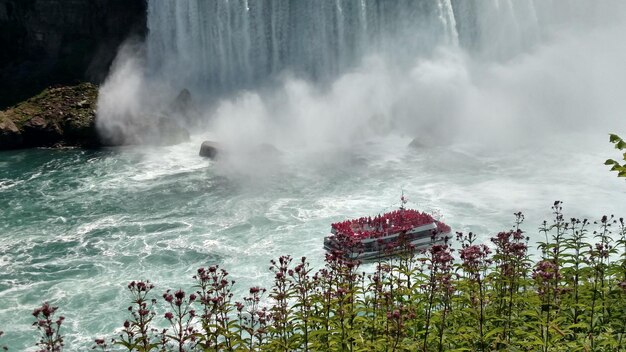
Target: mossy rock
[{"x": 58, "y": 116}]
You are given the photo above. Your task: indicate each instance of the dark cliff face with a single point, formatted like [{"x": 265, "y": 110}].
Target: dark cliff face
[{"x": 47, "y": 42}]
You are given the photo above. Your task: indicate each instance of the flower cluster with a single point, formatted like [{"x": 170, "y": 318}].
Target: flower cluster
[
  {"x": 49, "y": 327},
  {"x": 181, "y": 318},
  {"x": 511, "y": 251},
  {"x": 546, "y": 271},
  {"x": 475, "y": 259}
]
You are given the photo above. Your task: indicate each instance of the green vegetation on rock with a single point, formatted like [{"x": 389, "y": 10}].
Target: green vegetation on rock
[
  {"x": 66, "y": 117},
  {"x": 61, "y": 116}
]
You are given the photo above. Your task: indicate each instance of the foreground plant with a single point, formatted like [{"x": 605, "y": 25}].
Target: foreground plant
[
  {"x": 488, "y": 297},
  {"x": 49, "y": 328},
  {"x": 214, "y": 295},
  {"x": 510, "y": 275},
  {"x": 138, "y": 334},
  {"x": 620, "y": 145},
  {"x": 180, "y": 316}
]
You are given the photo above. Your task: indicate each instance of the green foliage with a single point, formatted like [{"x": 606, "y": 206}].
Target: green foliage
[
  {"x": 616, "y": 166},
  {"x": 474, "y": 297}
]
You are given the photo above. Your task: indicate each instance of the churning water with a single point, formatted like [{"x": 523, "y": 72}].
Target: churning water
[
  {"x": 512, "y": 99},
  {"x": 78, "y": 225}
]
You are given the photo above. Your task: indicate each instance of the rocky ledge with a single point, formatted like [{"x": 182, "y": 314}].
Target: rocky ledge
[
  {"x": 57, "y": 117},
  {"x": 66, "y": 117}
]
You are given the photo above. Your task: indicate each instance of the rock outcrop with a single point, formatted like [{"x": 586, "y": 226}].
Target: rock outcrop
[
  {"x": 48, "y": 42},
  {"x": 209, "y": 149},
  {"x": 10, "y": 135},
  {"x": 66, "y": 117},
  {"x": 416, "y": 144},
  {"x": 185, "y": 108},
  {"x": 58, "y": 117}
]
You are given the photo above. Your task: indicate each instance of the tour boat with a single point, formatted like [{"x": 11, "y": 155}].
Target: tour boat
[{"x": 384, "y": 235}]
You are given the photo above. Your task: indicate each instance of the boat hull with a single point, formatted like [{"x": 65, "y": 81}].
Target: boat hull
[{"x": 369, "y": 249}]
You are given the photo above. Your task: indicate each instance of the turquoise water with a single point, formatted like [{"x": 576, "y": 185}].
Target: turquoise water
[{"x": 76, "y": 226}]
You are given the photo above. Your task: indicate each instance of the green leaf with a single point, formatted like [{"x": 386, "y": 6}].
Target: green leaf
[
  {"x": 578, "y": 326},
  {"x": 610, "y": 162},
  {"x": 493, "y": 332},
  {"x": 621, "y": 145},
  {"x": 613, "y": 138}
]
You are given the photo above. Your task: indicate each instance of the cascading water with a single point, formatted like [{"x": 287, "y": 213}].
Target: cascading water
[
  {"x": 220, "y": 45},
  {"x": 498, "y": 29},
  {"x": 216, "y": 48}
]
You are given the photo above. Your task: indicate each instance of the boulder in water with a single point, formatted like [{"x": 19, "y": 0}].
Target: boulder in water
[
  {"x": 209, "y": 149},
  {"x": 416, "y": 144},
  {"x": 263, "y": 151}
]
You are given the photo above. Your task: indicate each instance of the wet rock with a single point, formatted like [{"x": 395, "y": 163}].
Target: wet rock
[
  {"x": 66, "y": 117},
  {"x": 209, "y": 149},
  {"x": 61, "y": 116},
  {"x": 39, "y": 131},
  {"x": 10, "y": 135},
  {"x": 416, "y": 144},
  {"x": 184, "y": 108},
  {"x": 263, "y": 152},
  {"x": 183, "y": 101}
]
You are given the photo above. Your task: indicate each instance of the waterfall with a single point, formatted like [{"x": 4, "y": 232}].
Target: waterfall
[
  {"x": 221, "y": 45},
  {"x": 446, "y": 15},
  {"x": 363, "y": 63},
  {"x": 504, "y": 28}
]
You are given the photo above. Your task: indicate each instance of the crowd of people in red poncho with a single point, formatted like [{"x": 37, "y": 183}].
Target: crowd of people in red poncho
[{"x": 388, "y": 223}]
